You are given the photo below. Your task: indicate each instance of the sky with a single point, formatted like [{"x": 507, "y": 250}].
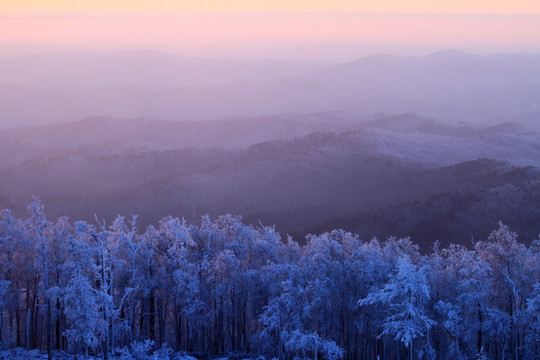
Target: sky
[
  {"x": 389, "y": 6},
  {"x": 336, "y": 30}
]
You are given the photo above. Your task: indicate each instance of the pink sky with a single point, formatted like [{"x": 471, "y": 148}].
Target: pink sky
[
  {"x": 358, "y": 6},
  {"x": 268, "y": 34}
]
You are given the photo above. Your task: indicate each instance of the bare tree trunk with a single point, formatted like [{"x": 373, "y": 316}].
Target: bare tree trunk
[
  {"x": 47, "y": 300},
  {"x": 480, "y": 337},
  {"x": 161, "y": 322},
  {"x": 58, "y": 345},
  {"x": 152, "y": 314},
  {"x": 18, "y": 329},
  {"x": 1, "y": 326},
  {"x": 49, "y": 330}
]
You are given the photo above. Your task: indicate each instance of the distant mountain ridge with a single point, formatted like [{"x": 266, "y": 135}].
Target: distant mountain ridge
[
  {"x": 142, "y": 68},
  {"x": 448, "y": 86},
  {"x": 106, "y": 135},
  {"x": 295, "y": 170},
  {"x": 414, "y": 123}
]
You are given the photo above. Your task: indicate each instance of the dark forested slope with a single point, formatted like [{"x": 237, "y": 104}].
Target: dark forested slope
[{"x": 368, "y": 171}]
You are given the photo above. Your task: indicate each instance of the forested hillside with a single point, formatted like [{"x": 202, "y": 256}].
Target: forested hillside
[
  {"x": 224, "y": 288},
  {"x": 305, "y": 173}
]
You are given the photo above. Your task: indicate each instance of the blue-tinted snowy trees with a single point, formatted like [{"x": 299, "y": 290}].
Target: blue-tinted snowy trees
[
  {"x": 532, "y": 338},
  {"x": 225, "y": 287},
  {"x": 511, "y": 277},
  {"x": 38, "y": 228},
  {"x": 404, "y": 297},
  {"x": 84, "y": 303},
  {"x": 463, "y": 299},
  {"x": 86, "y": 326}
]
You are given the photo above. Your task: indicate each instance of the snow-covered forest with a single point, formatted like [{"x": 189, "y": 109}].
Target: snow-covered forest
[{"x": 224, "y": 288}]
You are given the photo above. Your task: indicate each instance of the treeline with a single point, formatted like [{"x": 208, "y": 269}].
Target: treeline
[
  {"x": 452, "y": 217},
  {"x": 223, "y": 287}
]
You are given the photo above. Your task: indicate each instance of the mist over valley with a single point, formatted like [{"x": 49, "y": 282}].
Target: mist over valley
[
  {"x": 284, "y": 180},
  {"x": 448, "y": 85},
  {"x": 376, "y": 175}
]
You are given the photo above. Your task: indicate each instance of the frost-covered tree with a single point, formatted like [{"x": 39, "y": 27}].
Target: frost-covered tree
[
  {"x": 4, "y": 286},
  {"x": 223, "y": 287},
  {"x": 38, "y": 228},
  {"x": 532, "y": 338},
  {"x": 86, "y": 326},
  {"x": 404, "y": 297},
  {"x": 511, "y": 284},
  {"x": 83, "y": 301},
  {"x": 303, "y": 343},
  {"x": 59, "y": 250}
]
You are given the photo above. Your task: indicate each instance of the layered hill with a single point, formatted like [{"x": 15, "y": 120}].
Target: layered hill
[
  {"x": 447, "y": 85},
  {"x": 339, "y": 170}
]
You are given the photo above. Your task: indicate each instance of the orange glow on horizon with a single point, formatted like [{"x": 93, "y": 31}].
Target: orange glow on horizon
[{"x": 369, "y": 6}]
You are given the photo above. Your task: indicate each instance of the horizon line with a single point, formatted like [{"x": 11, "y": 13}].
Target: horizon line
[
  {"x": 142, "y": 14},
  {"x": 180, "y": 56}
]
